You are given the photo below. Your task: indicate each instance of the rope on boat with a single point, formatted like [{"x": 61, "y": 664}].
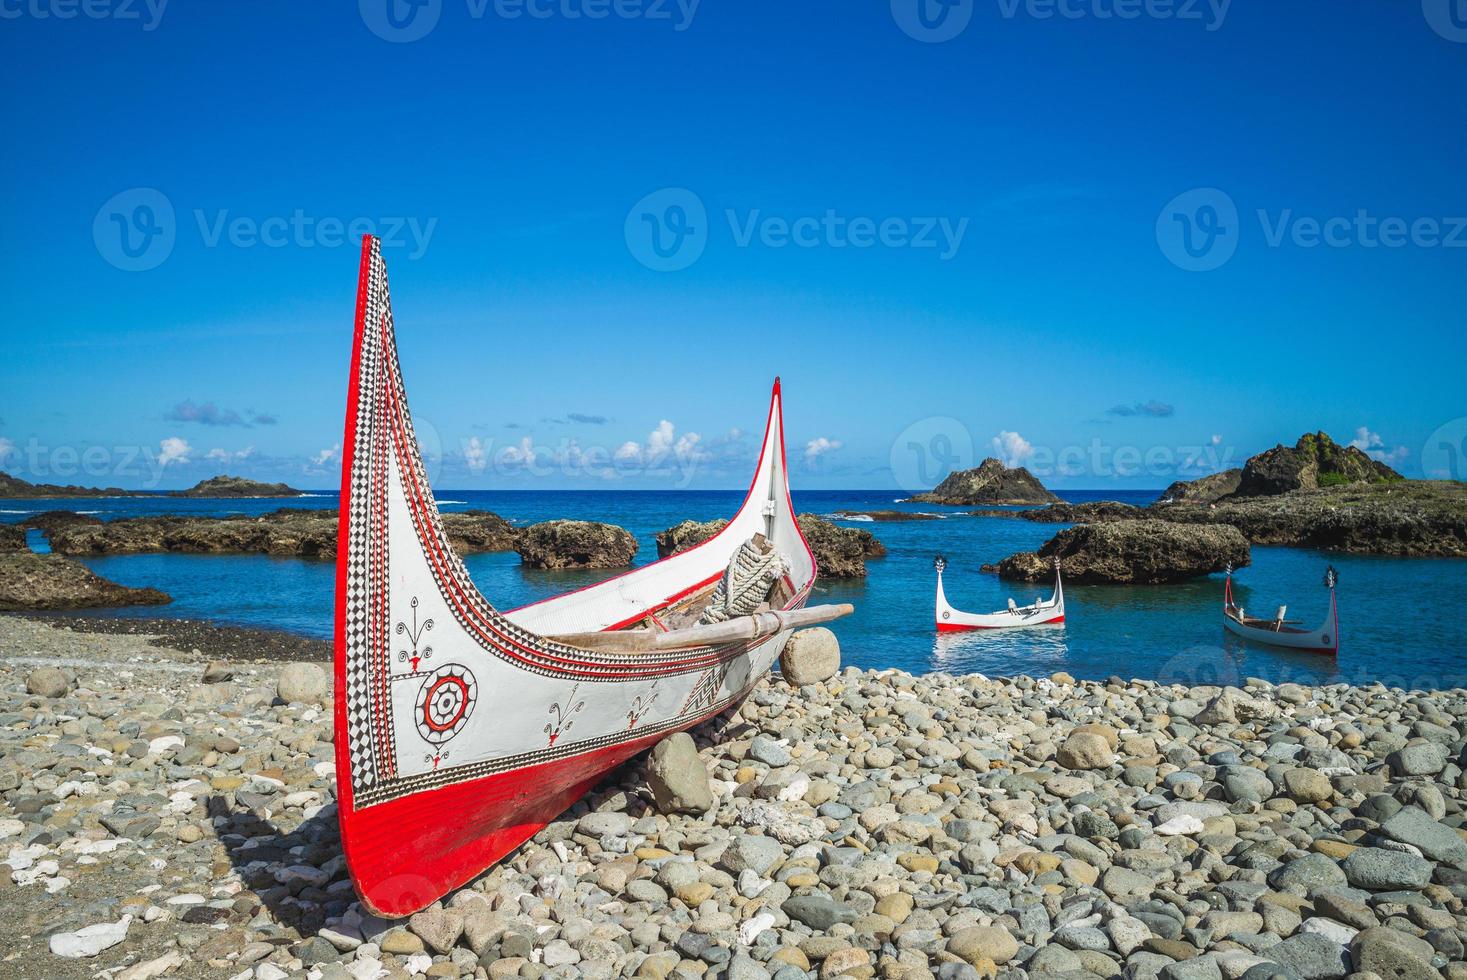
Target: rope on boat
[{"x": 752, "y": 574}]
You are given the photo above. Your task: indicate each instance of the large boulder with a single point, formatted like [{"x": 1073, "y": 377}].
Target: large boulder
[
  {"x": 1314, "y": 461},
  {"x": 576, "y": 544},
  {"x": 688, "y": 534},
  {"x": 48, "y": 682},
  {"x": 33, "y": 581},
  {"x": 840, "y": 552},
  {"x": 1204, "y": 490},
  {"x": 990, "y": 482},
  {"x": 301, "y": 683},
  {"x": 810, "y": 656},
  {"x": 677, "y": 776},
  {"x": 1131, "y": 552}
]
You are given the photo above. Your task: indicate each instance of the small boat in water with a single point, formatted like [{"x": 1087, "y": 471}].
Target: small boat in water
[
  {"x": 950, "y": 620},
  {"x": 460, "y": 730},
  {"x": 1281, "y": 631}
]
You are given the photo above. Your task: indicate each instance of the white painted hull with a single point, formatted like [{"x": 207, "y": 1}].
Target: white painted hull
[
  {"x": 1325, "y": 639},
  {"x": 1051, "y": 610}
]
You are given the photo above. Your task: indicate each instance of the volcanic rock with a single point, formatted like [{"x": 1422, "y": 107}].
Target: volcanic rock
[
  {"x": 990, "y": 482},
  {"x": 1204, "y": 490},
  {"x": 840, "y": 552},
  {"x": 1130, "y": 552},
  {"x": 575, "y": 544},
  {"x": 688, "y": 534},
  {"x": 1314, "y": 461},
  {"x": 34, "y": 581},
  {"x": 236, "y": 486}
]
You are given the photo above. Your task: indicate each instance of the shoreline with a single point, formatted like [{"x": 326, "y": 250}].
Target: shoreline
[
  {"x": 213, "y": 639},
  {"x": 875, "y": 823}
]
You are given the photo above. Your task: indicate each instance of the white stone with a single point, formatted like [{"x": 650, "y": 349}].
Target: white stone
[
  {"x": 10, "y": 827},
  {"x": 164, "y": 743},
  {"x": 418, "y": 963},
  {"x": 187, "y": 898},
  {"x": 269, "y": 971},
  {"x": 1335, "y": 932},
  {"x": 90, "y": 940},
  {"x": 750, "y": 930},
  {"x": 1180, "y": 825},
  {"x": 153, "y": 968},
  {"x": 366, "y": 969}
]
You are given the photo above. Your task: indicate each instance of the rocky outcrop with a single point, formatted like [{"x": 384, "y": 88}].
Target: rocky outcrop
[
  {"x": 288, "y": 532},
  {"x": 236, "y": 486},
  {"x": 1062, "y": 513},
  {"x": 12, "y": 538},
  {"x": 1405, "y": 518},
  {"x": 688, "y": 534},
  {"x": 575, "y": 544},
  {"x": 32, "y": 581},
  {"x": 990, "y": 483},
  {"x": 840, "y": 552},
  {"x": 1204, "y": 490},
  {"x": 1314, "y": 461},
  {"x": 1145, "y": 552},
  {"x": 48, "y": 521}
]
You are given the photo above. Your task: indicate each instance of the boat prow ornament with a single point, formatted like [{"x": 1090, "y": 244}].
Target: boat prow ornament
[{"x": 462, "y": 730}]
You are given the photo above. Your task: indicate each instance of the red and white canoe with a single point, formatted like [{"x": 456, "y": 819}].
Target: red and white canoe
[
  {"x": 1282, "y": 632},
  {"x": 950, "y": 620},
  {"x": 461, "y": 730}
]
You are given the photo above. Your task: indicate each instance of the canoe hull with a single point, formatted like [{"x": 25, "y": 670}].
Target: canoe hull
[
  {"x": 1324, "y": 640},
  {"x": 1047, "y": 612},
  {"x": 460, "y": 730}
]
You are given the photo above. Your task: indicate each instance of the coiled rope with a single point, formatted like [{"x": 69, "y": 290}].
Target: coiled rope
[{"x": 752, "y": 574}]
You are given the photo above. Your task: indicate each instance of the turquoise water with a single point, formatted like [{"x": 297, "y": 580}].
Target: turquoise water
[{"x": 1399, "y": 618}]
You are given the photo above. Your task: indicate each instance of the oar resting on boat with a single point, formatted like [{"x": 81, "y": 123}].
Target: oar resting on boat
[{"x": 751, "y": 627}]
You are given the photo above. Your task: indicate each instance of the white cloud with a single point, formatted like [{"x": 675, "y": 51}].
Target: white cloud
[
  {"x": 6, "y": 448},
  {"x": 818, "y": 447},
  {"x": 325, "y": 456},
  {"x": 225, "y": 456},
  {"x": 1217, "y": 440},
  {"x": 476, "y": 454},
  {"x": 173, "y": 450},
  {"x": 1372, "y": 445},
  {"x": 663, "y": 445},
  {"x": 1012, "y": 448}
]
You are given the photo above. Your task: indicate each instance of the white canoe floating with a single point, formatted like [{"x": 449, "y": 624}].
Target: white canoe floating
[
  {"x": 950, "y": 620},
  {"x": 1281, "y": 631}
]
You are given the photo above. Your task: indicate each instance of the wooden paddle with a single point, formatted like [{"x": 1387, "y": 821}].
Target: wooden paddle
[{"x": 752, "y": 627}]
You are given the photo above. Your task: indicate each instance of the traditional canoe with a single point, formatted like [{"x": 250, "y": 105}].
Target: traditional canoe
[
  {"x": 462, "y": 730},
  {"x": 1282, "y": 632},
  {"x": 950, "y": 620}
]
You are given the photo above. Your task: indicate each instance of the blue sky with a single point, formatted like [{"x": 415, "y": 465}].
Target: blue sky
[{"x": 1032, "y": 228}]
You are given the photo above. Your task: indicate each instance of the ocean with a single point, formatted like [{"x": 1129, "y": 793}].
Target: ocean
[{"x": 1398, "y": 617}]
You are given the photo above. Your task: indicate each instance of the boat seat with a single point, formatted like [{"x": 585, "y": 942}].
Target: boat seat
[{"x": 1012, "y": 608}]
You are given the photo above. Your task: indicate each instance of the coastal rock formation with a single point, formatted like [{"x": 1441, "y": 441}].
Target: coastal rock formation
[
  {"x": 1145, "y": 552},
  {"x": 49, "y": 520},
  {"x": 990, "y": 482},
  {"x": 288, "y": 532},
  {"x": 236, "y": 486},
  {"x": 32, "y": 581},
  {"x": 840, "y": 552},
  {"x": 575, "y": 544},
  {"x": 14, "y": 486},
  {"x": 12, "y": 538},
  {"x": 1404, "y": 518},
  {"x": 688, "y": 534},
  {"x": 989, "y": 830},
  {"x": 1314, "y": 461},
  {"x": 1203, "y": 490},
  {"x": 219, "y": 486},
  {"x": 1062, "y": 513}
]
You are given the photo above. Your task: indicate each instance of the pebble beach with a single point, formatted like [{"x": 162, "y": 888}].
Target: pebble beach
[{"x": 163, "y": 813}]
